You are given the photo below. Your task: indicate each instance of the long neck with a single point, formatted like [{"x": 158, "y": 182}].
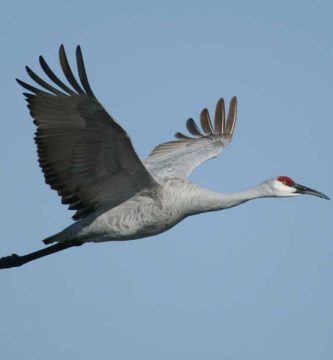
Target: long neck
[
  {"x": 211, "y": 201},
  {"x": 234, "y": 199}
]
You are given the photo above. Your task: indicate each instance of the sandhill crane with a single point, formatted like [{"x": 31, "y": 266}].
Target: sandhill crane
[{"x": 88, "y": 158}]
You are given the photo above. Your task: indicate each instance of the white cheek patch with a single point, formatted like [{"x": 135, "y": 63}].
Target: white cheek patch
[{"x": 284, "y": 190}]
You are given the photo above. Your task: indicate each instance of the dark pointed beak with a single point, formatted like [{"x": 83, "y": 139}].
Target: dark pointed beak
[{"x": 300, "y": 189}]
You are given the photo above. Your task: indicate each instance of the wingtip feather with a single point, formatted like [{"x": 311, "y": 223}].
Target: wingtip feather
[
  {"x": 193, "y": 128},
  {"x": 206, "y": 123},
  {"x": 232, "y": 116}
]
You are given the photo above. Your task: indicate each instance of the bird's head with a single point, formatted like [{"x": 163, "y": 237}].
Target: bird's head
[{"x": 283, "y": 186}]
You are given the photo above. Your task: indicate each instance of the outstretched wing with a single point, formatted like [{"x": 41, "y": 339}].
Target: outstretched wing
[
  {"x": 180, "y": 157},
  {"x": 85, "y": 155}
]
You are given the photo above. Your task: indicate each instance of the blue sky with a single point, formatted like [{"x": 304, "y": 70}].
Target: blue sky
[{"x": 253, "y": 282}]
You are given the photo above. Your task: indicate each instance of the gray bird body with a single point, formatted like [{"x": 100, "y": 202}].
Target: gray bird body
[{"x": 147, "y": 213}]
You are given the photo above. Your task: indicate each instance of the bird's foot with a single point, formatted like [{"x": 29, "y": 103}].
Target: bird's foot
[{"x": 13, "y": 260}]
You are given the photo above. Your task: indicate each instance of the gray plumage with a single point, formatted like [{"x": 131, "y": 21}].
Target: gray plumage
[{"x": 88, "y": 158}]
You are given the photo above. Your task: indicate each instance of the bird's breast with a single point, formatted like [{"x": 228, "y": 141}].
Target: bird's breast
[{"x": 135, "y": 219}]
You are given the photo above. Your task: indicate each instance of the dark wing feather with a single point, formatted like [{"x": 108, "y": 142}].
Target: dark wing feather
[
  {"x": 180, "y": 136},
  {"x": 85, "y": 155},
  {"x": 193, "y": 128},
  {"x": 41, "y": 82},
  {"x": 231, "y": 121},
  {"x": 219, "y": 122},
  {"x": 206, "y": 123},
  {"x": 54, "y": 77},
  {"x": 67, "y": 70},
  {"x": 82, "y": 72}
]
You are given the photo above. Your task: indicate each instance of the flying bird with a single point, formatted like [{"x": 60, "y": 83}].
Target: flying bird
[{"x": 89, "y": 160}]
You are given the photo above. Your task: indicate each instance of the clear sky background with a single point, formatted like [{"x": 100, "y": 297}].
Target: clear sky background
[{"x": 253, "y": 282}]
